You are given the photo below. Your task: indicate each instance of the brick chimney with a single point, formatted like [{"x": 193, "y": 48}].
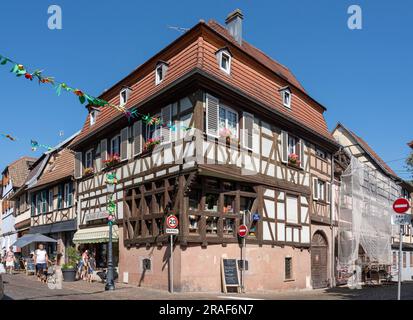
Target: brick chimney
[{"x": 234, "y": 25}]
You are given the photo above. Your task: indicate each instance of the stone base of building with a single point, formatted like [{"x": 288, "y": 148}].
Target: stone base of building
[{"x": 198, "y": 269}]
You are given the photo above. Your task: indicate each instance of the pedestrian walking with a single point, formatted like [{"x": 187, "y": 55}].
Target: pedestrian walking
[
  {"x": 10, "y": 260},
  {"x": 40, "y": 259}
]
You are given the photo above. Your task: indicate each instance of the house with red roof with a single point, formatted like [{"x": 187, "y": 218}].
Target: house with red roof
[{"x": 220, "y": 135}]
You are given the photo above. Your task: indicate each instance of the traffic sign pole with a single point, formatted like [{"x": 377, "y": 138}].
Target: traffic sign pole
[
  {"x": 172, "y": 224},
  {"x": 399, "y": 285}
]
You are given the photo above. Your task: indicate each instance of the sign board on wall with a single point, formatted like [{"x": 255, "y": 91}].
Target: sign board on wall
[
  {"x": 96, "y": 215},
  {"x": 401, "y": 219}
]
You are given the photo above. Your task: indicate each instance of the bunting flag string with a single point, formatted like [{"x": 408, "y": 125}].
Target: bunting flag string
[
  {"x": 36, "y": 145},
  {"x": 8, "y": 136}
]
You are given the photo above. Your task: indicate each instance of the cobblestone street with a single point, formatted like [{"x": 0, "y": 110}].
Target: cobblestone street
[{"x": 22, "y": 287}]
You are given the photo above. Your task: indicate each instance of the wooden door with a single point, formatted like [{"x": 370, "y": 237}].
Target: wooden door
[{"x": 319, "y": 261}]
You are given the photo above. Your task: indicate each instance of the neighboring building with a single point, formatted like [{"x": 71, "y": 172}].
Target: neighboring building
[
  {"x": 369, "y": 188},
  {"x": 51, "y": 193},
  {"x": 13, "y": 177},
  {"x": 259, "y": 146}
]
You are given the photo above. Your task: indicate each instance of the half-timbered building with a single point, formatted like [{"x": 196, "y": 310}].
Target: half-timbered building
[
  {"x": 13, "y": 177},
  {"x": 238, "y": 138},
  {"x": 51, "y": 193}
]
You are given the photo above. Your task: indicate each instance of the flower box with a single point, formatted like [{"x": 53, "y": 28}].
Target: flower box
[
  {"x": 293, "y": 160},
  {"x": 113, "y": 159},
  {"x": 88, "y": 171},
  {"x": 150, "y": 145}
]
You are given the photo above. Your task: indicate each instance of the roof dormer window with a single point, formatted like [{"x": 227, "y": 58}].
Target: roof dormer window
[
  {"x": 286, "y": 97},
  {"x": 224, "y": 59},
  {"x": 160, "y": 71},
  {"x": 93, "y": 116},
  {"x": 124, "y": 95}
]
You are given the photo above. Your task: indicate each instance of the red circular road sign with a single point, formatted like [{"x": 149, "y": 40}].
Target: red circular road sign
[
  {"x": 172, "y": 222},
  {"x": 242, "y": 231},
  {"x": 401, "y": 205}
]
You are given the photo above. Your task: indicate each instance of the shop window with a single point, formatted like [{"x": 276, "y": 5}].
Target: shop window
[
  {"x": 229, "y": 226},
  {"x": 229, "y": 203},
  {"x": 288, "y": 268},
  {"x": 211, "y": 225},
  {"x": 146, "y": 264},
  {"x": 211, "y": 202},
  {"x": 193, "y": 223},
  {"x": 194, "y": 199},
  {"x": 246, "y": 204}
]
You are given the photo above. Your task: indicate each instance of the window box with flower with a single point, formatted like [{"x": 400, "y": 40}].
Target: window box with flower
[
  {"x": 88, "y": 171},
  {"x": 150, "y": 145},
  {"x": 112, "y": 160},
  {"x": 294, "y": 160}
]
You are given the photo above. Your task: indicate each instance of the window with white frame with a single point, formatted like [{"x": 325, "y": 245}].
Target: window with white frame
[
  {"x": 115, "y": 145},
  {"x": 124, "y": 96},
  {"x": 321, "y": 191},
  {"x": 51, "y": 195},
  {"x": 225, "y": 61},
  {"x": 89, "y": 159},
  {"x": 160, "y": 72},
  {"x": 228, "y": 122},
  {"x": 68, "y": 195},
  {"x": 292, "y": 145},
  {"x": 286, "y": 97},
  {"x": 93, "y": 116}
]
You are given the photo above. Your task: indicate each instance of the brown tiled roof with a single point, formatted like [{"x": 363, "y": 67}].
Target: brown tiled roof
[
  {"x": 201, "y": 54},
  {"x": 270, "y": 63},
  {"x": 19, "y": 170},
  {"x": 372, "y": 153},
  {"x": 59, "y": 166}
]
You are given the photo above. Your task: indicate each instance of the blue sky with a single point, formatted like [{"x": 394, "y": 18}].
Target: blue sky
[{"x": 363, "y": 77}]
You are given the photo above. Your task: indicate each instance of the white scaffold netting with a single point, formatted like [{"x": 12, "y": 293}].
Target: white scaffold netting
[{"x": 365, "y": 229}]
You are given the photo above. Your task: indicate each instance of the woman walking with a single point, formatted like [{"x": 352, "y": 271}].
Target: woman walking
[{"x": 10, "y": 259}]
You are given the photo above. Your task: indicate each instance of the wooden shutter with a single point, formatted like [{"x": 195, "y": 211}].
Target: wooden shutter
[
  {"x": 301, "y": 153},
  {"x": 248, "y": 130},
  {"x": 328, "y": 192},
  {"x": 124, "y": 143},
  {"x": 98, "y": 161},
  {"x": 166, "y": 117},
  {"x": 315, "y": 189},
  {"x": 212, "y": 115},
  {"x": 284, "y": 147},
  {"x": 103, "y": 150},
  {"x": 137, "y": 137},
  {"x": 78, "y": 165}
]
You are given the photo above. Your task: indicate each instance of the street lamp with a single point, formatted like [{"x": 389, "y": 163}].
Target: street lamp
[{"x": 111, "y": 181}]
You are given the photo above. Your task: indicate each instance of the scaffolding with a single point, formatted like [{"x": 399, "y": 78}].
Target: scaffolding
[{"x": 365, "y": 229}]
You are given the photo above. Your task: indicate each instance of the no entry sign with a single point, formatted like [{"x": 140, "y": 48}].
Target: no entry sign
[
  {"x": 401, "y": 205},
  {"x": 172, "y": 222},
  {"x": 242, "y": 231}
]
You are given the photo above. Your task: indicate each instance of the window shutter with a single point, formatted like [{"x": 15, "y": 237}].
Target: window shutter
[
  {"x": 301, "y": 153},
  {"x": 137, "y": 137},
  {"x": 284, "y": 147},
  {"x": 78, "y": 165},
  {"x": 315, "y": 189},
  {"x": 60, "y": 196},
  {"x": 212, "y": 115},
  {"x": 124, "y": 143},
  {"x": 98, "y": 162},
  {"x": 248, "y": 129},
  {"x": 103, "y": 150},
  {"x": 328, "y": 192},
  {"x": 33, "y": 205},
  {"x": 166, "y": 118}
]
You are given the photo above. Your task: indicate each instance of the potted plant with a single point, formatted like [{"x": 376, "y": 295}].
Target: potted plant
[
  {"x": 293, "y": 159},
  {"x": 69, "y": 268},
  {"x": 150, "y": 144},
  {"x": 112, "y": 160},
  {"x": 226, "y": 133},
  {"x": 88, "y": 171}
]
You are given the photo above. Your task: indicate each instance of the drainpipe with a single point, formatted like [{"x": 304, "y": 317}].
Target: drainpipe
[{"x": 332, "y": 273}]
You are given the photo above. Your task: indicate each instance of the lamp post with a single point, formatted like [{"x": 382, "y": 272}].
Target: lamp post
[{"x": 111, "y": 181}]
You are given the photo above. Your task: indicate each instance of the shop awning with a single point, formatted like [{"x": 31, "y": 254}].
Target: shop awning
[
  {"x": 70, "y": 225},
  {"x": 96, "y": 235},
  {"x": 30, "y": 238}
]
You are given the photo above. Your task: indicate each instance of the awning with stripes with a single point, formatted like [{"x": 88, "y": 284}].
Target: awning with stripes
[{"x": 96, "y": 235}]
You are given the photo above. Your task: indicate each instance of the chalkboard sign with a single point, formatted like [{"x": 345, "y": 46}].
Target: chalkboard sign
[{"x": 230, "y": 276}]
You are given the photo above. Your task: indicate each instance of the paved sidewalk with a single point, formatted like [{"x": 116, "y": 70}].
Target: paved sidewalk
[{"x": 22, "y": 287}]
